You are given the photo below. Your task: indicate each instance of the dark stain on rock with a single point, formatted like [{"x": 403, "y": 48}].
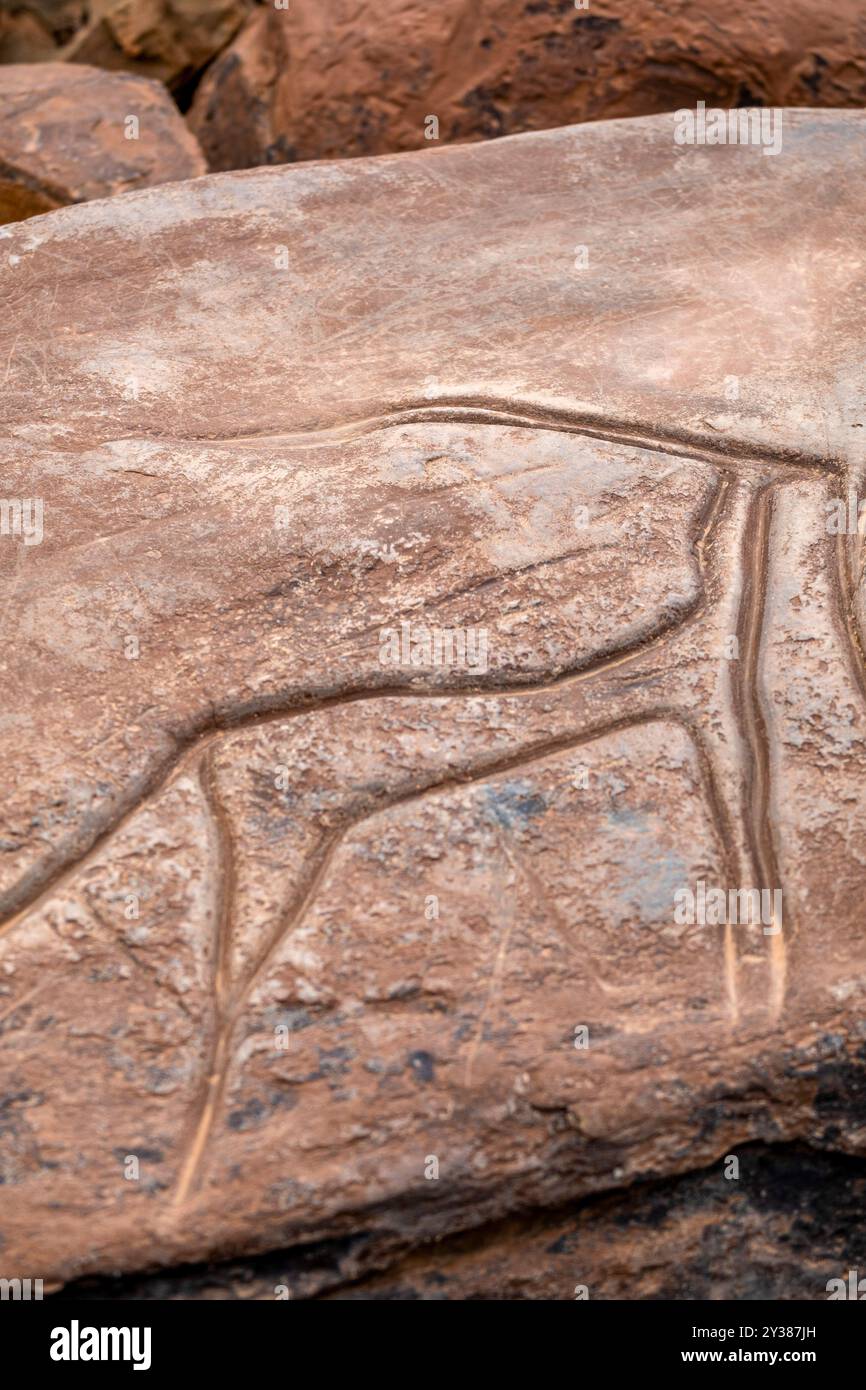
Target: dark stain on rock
[
  {"x": 596, "y": 25},
  {"x": 514, "y": 804},
  {"x": 813, "y": 79},
  {"x": 746, "y": 97},
  {"x": 334, "y": 1061},
  {"x": 18, "y": 1098},
  {"x": 256, "y": 1111},
  {"x": 422, "y": 1066},
  {"x": 841, "y": 1094},
  {"x": 143, "y": 1155},
  {"x": 481, "y": 102},
  {"x": 281, "y": 151}
]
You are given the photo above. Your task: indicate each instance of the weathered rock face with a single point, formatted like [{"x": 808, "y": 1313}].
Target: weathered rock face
[
  {"x": 33, "y": 30},
  {"x": 169, "y": 40},
  {"x": 791, "y": 1222},
  {"x": 308, "y": 82},
  {"x": 433, "y": 586},
  {"x": 70, "y": 133}
]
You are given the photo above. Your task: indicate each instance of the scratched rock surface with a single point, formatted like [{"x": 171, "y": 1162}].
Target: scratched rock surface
[
  {"x": 294, "y": 908},
  {"x": 302, "y": 82},
  {"x": 66, "y": 136}
]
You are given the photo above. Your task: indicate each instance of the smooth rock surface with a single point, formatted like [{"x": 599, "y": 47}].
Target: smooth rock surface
[
  {"x": 63, "y": 137},
  {"x": 360, "y": 77},
  {"x": 287, "y": 917}
]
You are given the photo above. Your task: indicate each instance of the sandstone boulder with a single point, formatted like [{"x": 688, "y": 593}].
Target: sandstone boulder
[
  {"x": 417, "y": 575},
  {"x": 363, "y": 76},
  {"x": 34, "y": 30},
  {"x": 71, "y": 134},
  {"x": 168, "y": 40},
  {"x": 68, "y": 134}
]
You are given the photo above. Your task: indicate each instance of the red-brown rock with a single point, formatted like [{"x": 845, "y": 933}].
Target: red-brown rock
[
  {"x": 34, "y": 30},
  {"x": 362, "y": 76},
  {"x": 301, "y": 928},
  {"x": 168, "y": 40},
  {"x": 70, "y": 133}
]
